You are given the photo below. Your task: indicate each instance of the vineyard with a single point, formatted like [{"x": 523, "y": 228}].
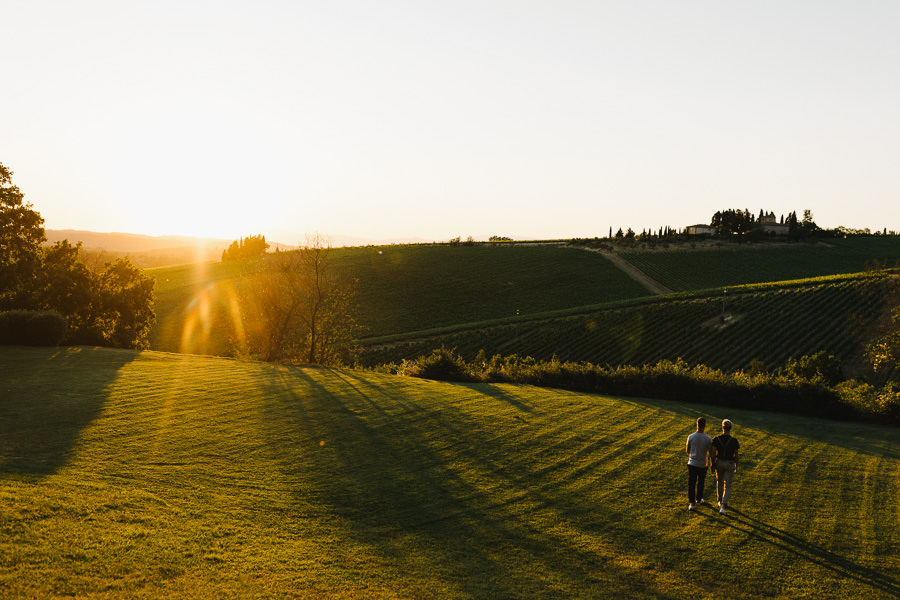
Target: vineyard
[
  {"x": 399, "y": 289},
  {"x": 546, "y": 300},
  {"x": 735, "y": 265},
  {"x": 724, "y": 330}
]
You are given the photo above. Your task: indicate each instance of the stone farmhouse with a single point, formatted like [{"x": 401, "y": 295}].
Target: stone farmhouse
[
  {"x": 770, "y": 224},
  {"x": 700, "y": 230}
]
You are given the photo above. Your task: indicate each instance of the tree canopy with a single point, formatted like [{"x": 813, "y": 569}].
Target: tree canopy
[
  {"x": 108, "y": 306},
  {"x": 884, "y": 351},
  {"x": 21, "y": 236},
  {"x": 301, "y": 309},
  {"x": 248, "y": 247}
]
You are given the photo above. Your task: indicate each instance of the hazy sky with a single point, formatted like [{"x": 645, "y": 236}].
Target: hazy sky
[{"x": 426, "y": 119}]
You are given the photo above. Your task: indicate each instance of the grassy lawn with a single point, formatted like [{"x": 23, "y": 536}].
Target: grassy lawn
[{"x": 156, "y": 475}]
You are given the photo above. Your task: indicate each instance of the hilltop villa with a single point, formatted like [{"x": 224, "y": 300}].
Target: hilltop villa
[
  {"x": 771, "y": 225},
  {"x": 700, "y": 230}
]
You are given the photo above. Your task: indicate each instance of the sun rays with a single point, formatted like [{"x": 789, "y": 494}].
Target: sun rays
[{"x": 214, "y": 306}]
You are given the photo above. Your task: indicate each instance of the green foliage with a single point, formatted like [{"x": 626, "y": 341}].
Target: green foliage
[
  {"x": 881, "y": 404},
  {"x": 442, "y": 365},
  {"x": 124, "y": 312},
  {"x": 732, "y": 222},
  {"x": 668, "y": 380},
  {"x": 297, "y": 308},
  {"x": 819, "y": 367},
  {"x": 31, "y": 328},
  {"x": 884, "y": 351},
  {"x": 21, "y": 235},
  {"x": 248, "y": 247},
  {"x": 65, "y": 284},
  {"x": 109, "y": 307}
]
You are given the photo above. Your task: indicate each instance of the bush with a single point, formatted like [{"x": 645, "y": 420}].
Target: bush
[
  {"x": 820, "y": 366},
  {"x": 442, "y": 365},
  {"x": 31, "y": 328},
  {"x": 876, "y": 404}
]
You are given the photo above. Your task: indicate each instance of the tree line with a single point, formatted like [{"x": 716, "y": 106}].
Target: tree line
[
  {"x": 248, "y": 247},
  {"x": 109, "y": 305},
  {"x": 737, "y": 224}
]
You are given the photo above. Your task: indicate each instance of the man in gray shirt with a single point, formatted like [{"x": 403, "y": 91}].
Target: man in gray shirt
[{"x": 697, "y": 449}]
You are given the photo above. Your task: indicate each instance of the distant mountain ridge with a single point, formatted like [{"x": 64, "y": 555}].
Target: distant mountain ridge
[
  {"x": 117, "y": 242},
  {"x": 133, "y": 242}
]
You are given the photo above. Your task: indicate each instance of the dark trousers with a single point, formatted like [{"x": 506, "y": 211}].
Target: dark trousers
[{"x": 696, "y": 481}]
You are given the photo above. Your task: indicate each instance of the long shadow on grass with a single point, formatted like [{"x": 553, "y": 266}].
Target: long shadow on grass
[
  {"x": 49, "y": 395},
  {"x": 429, "y": 487},
  {"x": 795, "y": 544}
]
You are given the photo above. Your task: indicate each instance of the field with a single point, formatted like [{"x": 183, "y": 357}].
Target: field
[
  {"x": 729, "y": 265},
  {"x": 400, "y": 289},
  {"x": 725, "y": 330},
  {"x": 546, "y": 300},
  {"x": 157, "y": 475}
]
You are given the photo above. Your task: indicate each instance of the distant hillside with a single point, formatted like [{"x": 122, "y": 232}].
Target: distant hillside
[
  {"x": 400, "y": 289},
  {"x": 147, "y": 251},
  {"x": 144, "y": 251},
  {"x": 132, "y": 242},
  {"x": 728, "y": 331}
]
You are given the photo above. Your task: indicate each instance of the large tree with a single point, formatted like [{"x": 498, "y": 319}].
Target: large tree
[
  {"x": 110, "y": 306},
  {"x": 21, "y": 236},
  {"x": 300, "y": 309}
]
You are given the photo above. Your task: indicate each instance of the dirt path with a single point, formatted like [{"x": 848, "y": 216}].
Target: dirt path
[{"x": 636, "y": 274}]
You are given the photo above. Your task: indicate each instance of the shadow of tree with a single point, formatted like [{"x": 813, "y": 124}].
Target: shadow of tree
[
  {"x": 47, "y": 397},
  {"x": 396, "y": 470},
  {"x": 784, "y": 540}
]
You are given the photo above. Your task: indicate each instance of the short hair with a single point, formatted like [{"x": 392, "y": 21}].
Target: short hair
[
  {"x": 701, "y": 422},
  {"x": 726, "y": 424}
]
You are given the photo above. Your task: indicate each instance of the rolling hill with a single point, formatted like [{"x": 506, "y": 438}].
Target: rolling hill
[
  {"x": 401, "y": 289},
  {"x": 545, "y": 300},
  {"x": 127, "y": 474}
]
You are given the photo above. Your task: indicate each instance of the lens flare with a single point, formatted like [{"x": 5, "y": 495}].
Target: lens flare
[{"x": 213, "y": 320}]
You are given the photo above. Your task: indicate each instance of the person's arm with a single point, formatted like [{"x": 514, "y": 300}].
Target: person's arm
[
  {"x": 687, "y": 448},
  {"x": 736, "y": 452}
]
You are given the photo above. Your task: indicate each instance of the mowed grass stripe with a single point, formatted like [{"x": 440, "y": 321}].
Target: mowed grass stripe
[{"x": 176, "y": 476}]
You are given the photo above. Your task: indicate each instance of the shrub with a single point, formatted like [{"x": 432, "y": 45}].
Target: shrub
[
  {"x": 442, "y": 365},
  {"x": 32, "y": 328},
  {"x": 820, "y": 366}
]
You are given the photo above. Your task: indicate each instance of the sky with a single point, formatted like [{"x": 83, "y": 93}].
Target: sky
[{"x": 432, "y": 119}]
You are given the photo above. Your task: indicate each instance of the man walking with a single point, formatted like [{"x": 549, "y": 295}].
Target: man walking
[
  {"x": 725, "y": 463},
  {"x": 697, "y": 448}
]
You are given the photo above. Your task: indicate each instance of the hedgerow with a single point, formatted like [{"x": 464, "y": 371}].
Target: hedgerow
[
  {"x": 670, "y": 380},
  {"x": 31, "y": 328}
]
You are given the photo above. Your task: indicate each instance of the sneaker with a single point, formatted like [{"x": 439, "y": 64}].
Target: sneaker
[
  {"x": 691, "y": 506},
  {"x": 701, "y": 501},
  {"x": 722, "y": 511}
]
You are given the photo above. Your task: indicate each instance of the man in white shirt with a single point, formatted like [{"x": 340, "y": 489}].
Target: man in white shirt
[{"x": 697, "y": 449}]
